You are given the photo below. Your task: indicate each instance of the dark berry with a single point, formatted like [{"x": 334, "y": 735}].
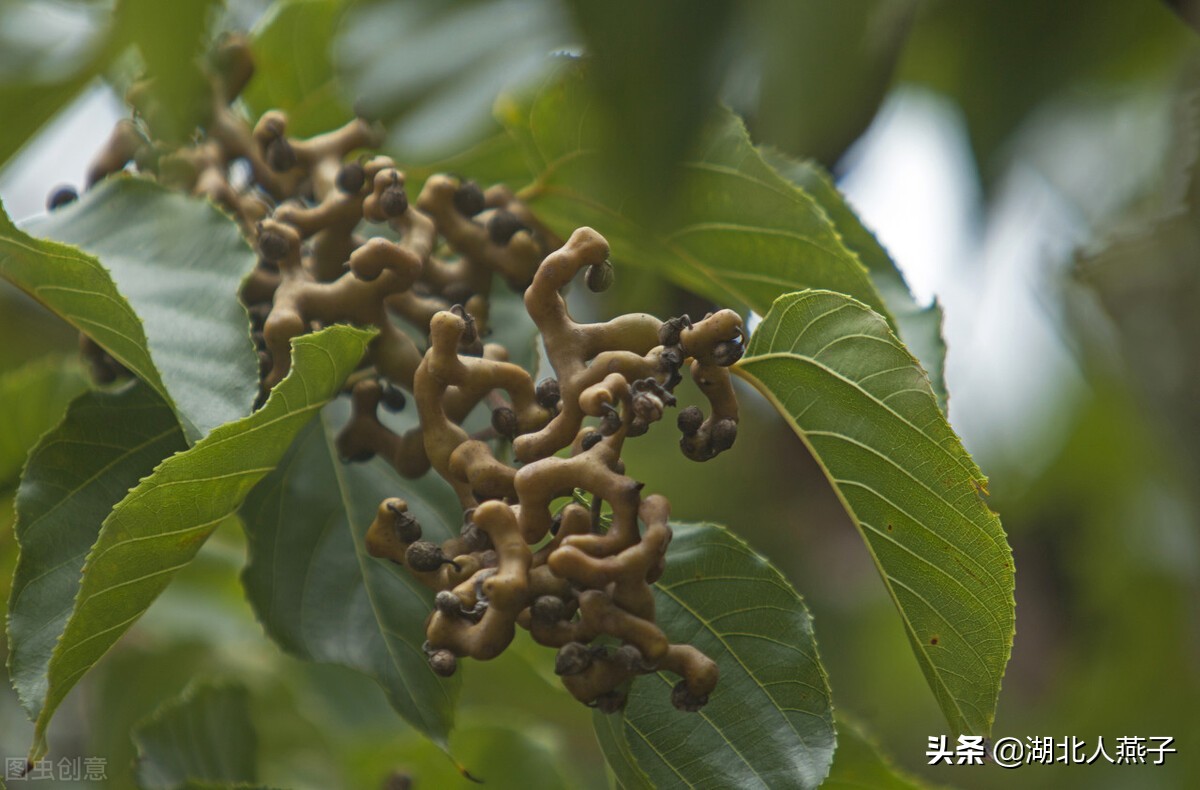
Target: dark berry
[
  {"x": 60, "y": 197},
  {"x": 548, "y": 393},
  {"x": 391, "y": 396},
  {"x": 591, "y": 439},
  {"x": 425, "y": 557},
  {"x": 690, "y": 420},
  {"x": 468, "y": 199},
  {"x": 394, "y": 201},
  {"x": 504, "y": 420},
  {"x": 351, "y": 177},
  {"x": 503, "y": 226},
  {"x": 548, "y": 609}
]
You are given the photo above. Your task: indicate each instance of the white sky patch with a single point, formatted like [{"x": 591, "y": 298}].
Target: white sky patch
[
  {"x": 61, "y": 153},
  {"x": 913, "y": 182}
]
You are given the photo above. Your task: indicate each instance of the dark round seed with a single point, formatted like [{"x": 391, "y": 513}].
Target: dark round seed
[
  {"x": 690, "y": 420},
  {"x": 272, "y": 246},
  {"x": 61, "y": 196},
  {"x": 391, "y": 396},
  {"x": 468, "y": 199},
  {"x": 424, "y": 557},
  {"x": 590, "y": 440},
  {"x": 394, "y": 201},
  {"x": 548, "y": 609},
  {"x": 599, "y": 277},
  {"x": 503, "y": 226},
  {"x": 351, "y": 177},
  {"x": 723, "y": 435},
  {"x": 504, "y": 420},
  {"x": 548, "y": 393}
]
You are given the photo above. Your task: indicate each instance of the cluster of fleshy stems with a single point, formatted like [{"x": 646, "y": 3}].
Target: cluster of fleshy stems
[{"x": 577, "y": 578}]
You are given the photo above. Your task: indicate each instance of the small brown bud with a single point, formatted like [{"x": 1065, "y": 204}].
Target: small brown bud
[
  {"x": 669, "y": 332},
  {"x": 728, "y": 352},
  {"x": 425, "y": 557},
  {"x": 280, "y": 155},
  {"x": 273, "y": 246},
  {"x": 573, "y": 658},
  {"x": 443, "y": 663},
  {"x": 408, "y": 529},
  {"x": 724, "y": 433},
  {"x": 447, "y": 603}
]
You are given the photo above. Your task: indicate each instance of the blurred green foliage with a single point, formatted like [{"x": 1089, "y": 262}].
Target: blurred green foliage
[{"x": 1105, "y": 539}]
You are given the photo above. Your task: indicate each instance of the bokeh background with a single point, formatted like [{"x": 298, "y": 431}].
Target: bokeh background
[{"x": 1029, "y": 164}]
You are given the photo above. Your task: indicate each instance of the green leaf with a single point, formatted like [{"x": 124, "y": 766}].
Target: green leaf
[
  {"x": 292, "y": 66},
  {"x": 318, "y": 593},
  {"x": 859, "y": 763},
  {"x": 431, "y": 70},
  {"x": 652, "y": 91},
  {"x": 166, "y": 271},
  {"x": 171, "y": 38},
  {"x": 919, "y": 327},
  {"x": 32, "y": 399},
  {"x": 770, "y": 721},
  {"x": 740, "y": 231},
  {"x": 825, "y": 69},
  {"x": 107, "y": 442},
  {"x": 49, "y": 55},
  {"x": 865, "y": 410},
  {"x": 161, "y": 524},
  {"x": 204, "y": 735}
]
